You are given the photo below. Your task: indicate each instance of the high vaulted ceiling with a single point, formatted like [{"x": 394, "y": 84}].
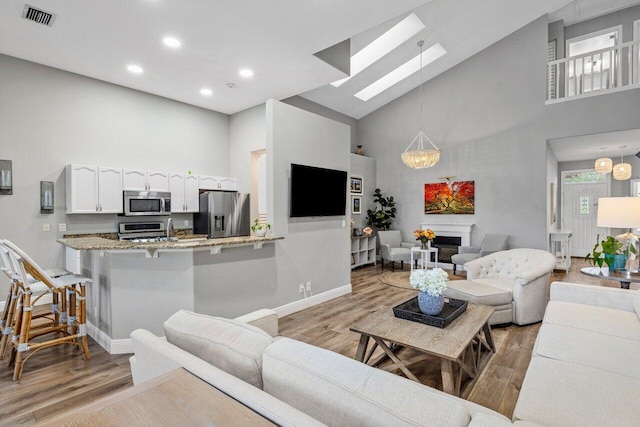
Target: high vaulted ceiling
[{"x": 277, "y": 39}]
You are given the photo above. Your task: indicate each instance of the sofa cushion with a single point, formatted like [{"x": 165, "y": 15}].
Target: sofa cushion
[
  {"x": 558, "y": 393},
  {"x": 337, "y": 390},
  {"x": 479, "y": 293},
  {"x": 605, "y": 320},
  {"x": 232, "y": 346},
  {"x": 594, "y": 349}
]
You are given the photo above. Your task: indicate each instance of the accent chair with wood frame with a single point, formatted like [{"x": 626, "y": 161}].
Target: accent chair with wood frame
[{"x": 393, "y": 249}]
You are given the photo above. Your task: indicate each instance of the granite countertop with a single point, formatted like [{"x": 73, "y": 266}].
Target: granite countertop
[{"x": 94, "y": 242}]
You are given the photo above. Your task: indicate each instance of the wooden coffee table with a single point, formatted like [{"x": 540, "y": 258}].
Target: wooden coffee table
[
  {"x": 460, "y": 346},
  {"x": 175, "y": 398}
]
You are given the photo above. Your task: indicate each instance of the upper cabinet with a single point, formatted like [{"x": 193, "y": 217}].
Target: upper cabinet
[
  {"x": 218, "y": 183},
  {"x": 184, "y": 192},
  {"x": 93, "y": 189},
  {"x": 136, "y": 179}
]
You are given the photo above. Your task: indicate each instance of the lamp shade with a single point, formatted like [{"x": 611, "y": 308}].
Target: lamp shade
[
  {"x": 604, "y": 165},
  {"x": 619, "y": 212},
  {"x": 622, "y": 171}
]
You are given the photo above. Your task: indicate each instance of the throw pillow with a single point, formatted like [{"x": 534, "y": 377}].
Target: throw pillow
[{"x": 232, "y": 346}]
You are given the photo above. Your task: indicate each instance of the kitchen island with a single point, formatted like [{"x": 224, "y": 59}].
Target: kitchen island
[{"x": 140, "y": 285}]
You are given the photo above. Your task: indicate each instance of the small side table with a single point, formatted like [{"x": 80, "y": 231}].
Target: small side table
[
  {"x": 560, "y": 244},
  {"x": 424, "y": 256}
]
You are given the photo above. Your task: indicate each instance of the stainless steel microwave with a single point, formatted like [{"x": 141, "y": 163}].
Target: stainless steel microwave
[{"x": 139, "y": 203}]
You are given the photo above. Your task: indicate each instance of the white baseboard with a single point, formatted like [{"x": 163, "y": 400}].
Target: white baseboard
[
  {"x": 125, "y": 346},
  {"x": 296, "y": 306}
]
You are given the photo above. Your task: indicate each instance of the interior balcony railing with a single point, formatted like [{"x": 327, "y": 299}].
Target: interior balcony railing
[{"x": 607, "y": 70}]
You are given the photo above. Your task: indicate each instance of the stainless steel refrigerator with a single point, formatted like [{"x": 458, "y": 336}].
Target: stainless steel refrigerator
[{"x": 223, "y": 214}]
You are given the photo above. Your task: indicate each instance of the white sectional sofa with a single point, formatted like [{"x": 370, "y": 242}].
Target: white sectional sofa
[
  {"x": 585, "y": 369},
  {"x": 295, "y": 384}
]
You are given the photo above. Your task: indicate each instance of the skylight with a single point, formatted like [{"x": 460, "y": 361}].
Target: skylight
[
  {"x": 402, "y": 72},
  {"x": 390, "y": 40}
]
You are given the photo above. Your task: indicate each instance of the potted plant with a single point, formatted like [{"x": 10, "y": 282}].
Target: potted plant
[
  {"x": 382, "y": 216},
  {"x": 610, "y": 252},
  {"x": 260, "y": 229}
]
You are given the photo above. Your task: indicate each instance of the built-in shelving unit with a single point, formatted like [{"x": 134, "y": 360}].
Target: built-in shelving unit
[{"x": 363, "y": 251}]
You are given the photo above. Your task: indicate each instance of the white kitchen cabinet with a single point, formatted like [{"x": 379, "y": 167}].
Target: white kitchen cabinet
[
  {"x": 93, "y": 189},
  {"x": 184, "y": 192},
  {"x": 218, "y": 183},
  {"x": 137, "y": 179}
]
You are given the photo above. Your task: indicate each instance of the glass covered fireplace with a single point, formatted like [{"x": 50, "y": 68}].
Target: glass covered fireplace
[{"x": 447, "y": 247}]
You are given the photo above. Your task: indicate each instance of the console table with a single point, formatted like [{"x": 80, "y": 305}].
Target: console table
[
  {"x": 560, "y": 244},
  {"x": 175, "y": 398}
]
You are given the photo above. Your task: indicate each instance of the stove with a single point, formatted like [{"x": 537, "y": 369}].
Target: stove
[{"x": 142, "y": 232}]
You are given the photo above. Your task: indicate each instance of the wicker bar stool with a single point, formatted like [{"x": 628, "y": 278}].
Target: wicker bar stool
[{"x": 70, "y": 291}]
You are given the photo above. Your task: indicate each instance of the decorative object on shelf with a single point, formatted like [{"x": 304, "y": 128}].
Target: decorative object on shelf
[
  {"x": 46, "y": 197},
  {"x": 603, "y": 164},
  {"x": 382, "y": 216},
  {"x": 367, "y": 231},
  {"x": 425, "y": 237},
  {"x": 356, "y": 205},
  {"x": 360, "y": 150},
  {"x": 260, "y": 229},
  {"x": 356, "y": 184},
  {"x": 457, "y": 197},
  {"x": 6, "y": 184},
  {"x": 622, "y": 170},
  {"x": 419, "y": 157},
  {"x": 617, "y": 212},
  {"x": 431, "y": 284},
  {"x": 357, "y": 232}
]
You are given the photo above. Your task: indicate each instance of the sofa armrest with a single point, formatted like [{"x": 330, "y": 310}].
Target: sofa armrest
[
  {"x": 152, "y": 356},
  {"x": 601, "y": 296},
  {"x": 408, "y": 245},
  {"x": 468, "y": 249},
  {"x": 265, "y": 319}
]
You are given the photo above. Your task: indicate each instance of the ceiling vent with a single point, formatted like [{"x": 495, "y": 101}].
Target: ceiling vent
[{"x": 38, "y": 16}]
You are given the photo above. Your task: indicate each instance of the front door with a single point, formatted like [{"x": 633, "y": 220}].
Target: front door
[{"x": 580, "y": 196}]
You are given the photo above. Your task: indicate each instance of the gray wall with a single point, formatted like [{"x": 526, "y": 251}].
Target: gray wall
[
  {"x": 623, "y": 17},
  {"x": 49, "y": 118},
  {"x": 247, "y": 133},
  {"x": 489, "y": 118}
]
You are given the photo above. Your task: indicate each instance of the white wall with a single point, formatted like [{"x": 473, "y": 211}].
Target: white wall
[
  {"x": 315, "y": 250},
  {"x": 364, "y": 167},
  {"x": 49, "y": 118},
  {"x": 247, "y": 133}
]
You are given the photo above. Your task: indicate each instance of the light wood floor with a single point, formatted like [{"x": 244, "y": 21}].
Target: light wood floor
[{"x": 53, "y": 383}]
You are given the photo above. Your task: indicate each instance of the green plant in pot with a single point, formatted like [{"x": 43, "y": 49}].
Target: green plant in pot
[
  {"x": 610, "y": 251},
  {"x": 260, "y": 229},
  {"x": 382, "y": 216}
]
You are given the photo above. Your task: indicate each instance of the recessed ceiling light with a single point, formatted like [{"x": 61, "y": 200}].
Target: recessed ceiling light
[
  {"x": 245, "y": 72},
  {"x": 206, "y": 91},
  {"x": 390, "y": 40},
  {"x": 171, "y": 42},
  {"x": 401, "y": 73},
  {"x": 135, "y": 69}
]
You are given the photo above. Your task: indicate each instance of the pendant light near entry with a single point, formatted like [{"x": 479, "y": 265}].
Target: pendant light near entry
[
  {"x": 622, "y": 170},
  {"x": 604, "y": 164},
  {"x": 419, "y": 157}
]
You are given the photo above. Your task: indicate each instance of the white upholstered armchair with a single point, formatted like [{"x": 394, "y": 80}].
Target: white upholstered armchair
[
  {"x": 524, "y": 272},
  {"x": 490, "y": 244},
  {"x": 393, "y": 249}
]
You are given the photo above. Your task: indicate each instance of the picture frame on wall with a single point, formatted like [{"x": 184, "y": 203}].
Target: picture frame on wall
[
  {"x": 356, "y": 205},
  {"x": 356, "y": 184}
]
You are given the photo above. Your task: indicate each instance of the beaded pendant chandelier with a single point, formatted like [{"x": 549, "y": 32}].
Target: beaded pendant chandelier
[{"x": 418, "y": 157}]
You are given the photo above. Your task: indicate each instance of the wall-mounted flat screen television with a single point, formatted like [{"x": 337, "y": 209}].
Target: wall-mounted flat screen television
[{"x": 317, "y": 191}]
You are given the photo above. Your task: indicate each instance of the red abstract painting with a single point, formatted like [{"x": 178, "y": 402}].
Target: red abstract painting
[{"x": 449, "y": 197}]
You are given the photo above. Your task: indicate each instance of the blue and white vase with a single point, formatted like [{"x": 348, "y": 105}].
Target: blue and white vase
[{"x": 430, "y": 304}]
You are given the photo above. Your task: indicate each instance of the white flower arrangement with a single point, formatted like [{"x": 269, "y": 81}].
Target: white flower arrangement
[{"x": 433, "y": 282}]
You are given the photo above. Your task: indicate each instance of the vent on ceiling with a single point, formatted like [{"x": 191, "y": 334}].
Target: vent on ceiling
[{"x": 37, "y": 15}]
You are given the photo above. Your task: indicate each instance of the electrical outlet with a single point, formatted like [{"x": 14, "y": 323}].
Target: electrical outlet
[
  {"x": 186, "y": 222},
  {"x": 46, "y": 227},
  {"x": 309, "y": 287},
  {"x": 62, "y": 227},
  {"x": 301, "y": 289}
]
